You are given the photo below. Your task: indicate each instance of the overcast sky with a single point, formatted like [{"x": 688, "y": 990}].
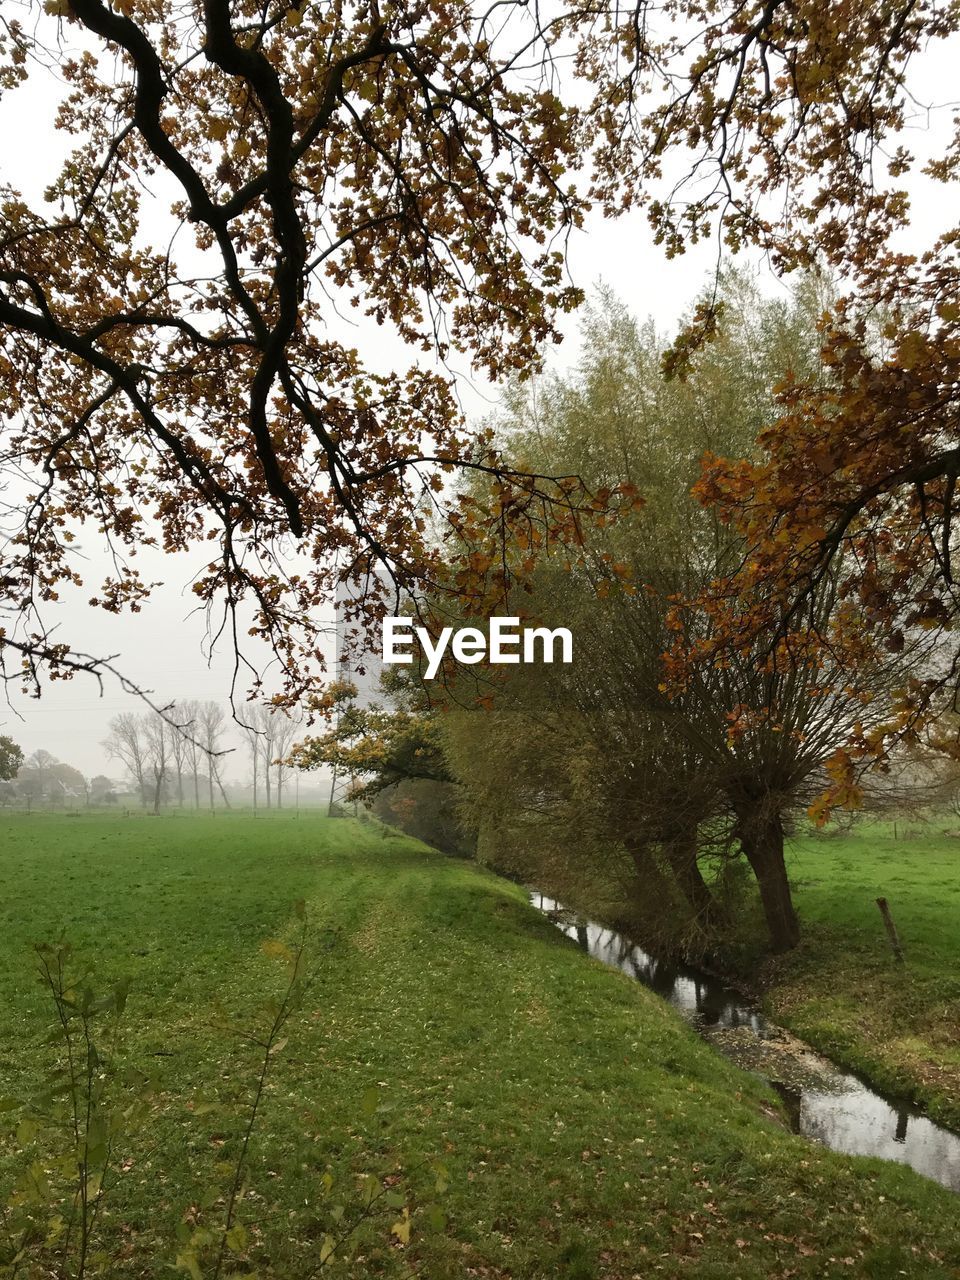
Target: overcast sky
[{"x": 161, "y": 648}]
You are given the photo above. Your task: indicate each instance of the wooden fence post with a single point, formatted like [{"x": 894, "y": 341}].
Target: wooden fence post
[{"x": 891, "y": 929}]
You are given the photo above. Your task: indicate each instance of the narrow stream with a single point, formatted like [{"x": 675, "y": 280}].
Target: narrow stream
[{"x": 824, "y": 1103}]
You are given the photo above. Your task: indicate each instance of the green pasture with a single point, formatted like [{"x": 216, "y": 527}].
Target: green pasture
[
  {"x": 844, "y": 989},
  {"x": 461, "y": 1093}
]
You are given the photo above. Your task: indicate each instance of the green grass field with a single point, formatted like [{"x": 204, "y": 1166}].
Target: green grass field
[
  {"x": 583, "y": 1130},
  {"x": 844, "y": 990}
]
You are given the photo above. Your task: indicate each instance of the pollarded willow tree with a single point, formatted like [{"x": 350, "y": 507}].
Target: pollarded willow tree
[{"x": 669, "y": 760}]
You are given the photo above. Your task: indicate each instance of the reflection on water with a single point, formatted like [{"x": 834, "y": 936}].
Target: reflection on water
[{"x": 844, "y": 1114}]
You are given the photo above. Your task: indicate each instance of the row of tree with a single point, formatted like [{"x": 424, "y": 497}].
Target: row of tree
[
  {"x": 176, "y": 755},
  {"x": 172, "y": 754},
  {"x": 269, "y": 734}
]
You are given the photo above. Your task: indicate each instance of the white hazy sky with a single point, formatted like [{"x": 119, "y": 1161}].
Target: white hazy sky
[{"x": 161, "y": 649}]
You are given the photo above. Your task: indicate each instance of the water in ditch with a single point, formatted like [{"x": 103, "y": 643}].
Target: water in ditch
[{"x": 823, "y": 1102}]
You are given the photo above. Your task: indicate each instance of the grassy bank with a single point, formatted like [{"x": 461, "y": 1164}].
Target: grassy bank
[
  {"x": 843, "y": 989},
  {"x": 581, "y": 1130}
]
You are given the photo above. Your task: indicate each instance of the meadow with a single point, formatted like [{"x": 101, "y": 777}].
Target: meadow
[
  {"x": 459, "y": 1093},
  {"x": 844, "y": 990}
]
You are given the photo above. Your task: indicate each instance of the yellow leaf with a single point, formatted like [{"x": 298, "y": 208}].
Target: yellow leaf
[
  {"x": 912, "y": 349},
  {"x": 276, "y": 950},
  {"x": 401, "y": 1228}
]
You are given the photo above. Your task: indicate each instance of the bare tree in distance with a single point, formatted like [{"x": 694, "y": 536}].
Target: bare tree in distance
[
  {"x": 42, "y": 761},
  {"x": 260, "y": 728},
  {"x": 158, "y": 737},
  {"x": 126, "y": 744},
  {"x": 285, "y": 728},
  {"x": 252, "y": 739},
  {"x": 269, "y": 733},
  {"x": 188, "y": 712},
  {"x": 211, "y": 723},
  {"x": 180, "y": 737},
  {"x": 173, "y": 739}
]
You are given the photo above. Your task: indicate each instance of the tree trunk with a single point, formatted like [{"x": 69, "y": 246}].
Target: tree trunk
[
  {"x": 655, "y": 883},
  {"x": 223, "y": 794},
  {"x": 681, "y": 854},
  {"x": 196, "y": 788},
  {"x": 761, "y": 836}
]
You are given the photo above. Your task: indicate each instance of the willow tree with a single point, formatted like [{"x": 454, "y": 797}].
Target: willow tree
[{"x": 691, "y": 754}]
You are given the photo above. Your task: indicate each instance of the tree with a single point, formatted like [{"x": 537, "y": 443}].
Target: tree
[
  {"x": 670, "y": 759},
  {"x": 868, "y": 495},
  {"x": 158, "y": 738},
  {"x": 417, "y": 161},
  {"x": 396, "y": 158},
  {"x": 69, "y": 783},
  {"x": 269, "y": 731},
  {"x": 378, "y": 745},
  {"x": 180, "y": 745},
  {"x": 126, "y": 743},
  {"x": 188, "y": 716},
  {"x": 43, "y": 777},
  {"x": 102, "y": 790},
  {"x": 42, "y": 763},
  {"x": 790, "y": 116},
  {"x": 11, "y": 758},
  {"x": 285, "y": 728},
  {"x": 28, "y": 784},
  {"x": 252, "y": 737},
  {"x": 793, "y": 120},
  {"x": 211, "y": 720},
  {"x": 265, "y": 731},
  {"x": 259, "y": 728}
]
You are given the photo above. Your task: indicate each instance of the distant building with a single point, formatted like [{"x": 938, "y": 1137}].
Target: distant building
[
  {"x": 359, "y": 646},
  {"x": 358, "y": 658}
]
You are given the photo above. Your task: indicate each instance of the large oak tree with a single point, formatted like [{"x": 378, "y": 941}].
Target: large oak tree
[{"x": 173, "y": 367}]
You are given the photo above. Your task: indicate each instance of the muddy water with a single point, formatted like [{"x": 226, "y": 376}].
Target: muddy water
[{"x": 824, "y": 1103}]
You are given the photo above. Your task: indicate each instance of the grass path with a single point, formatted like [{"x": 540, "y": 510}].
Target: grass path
[{"x": 584, "y": 1131}]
